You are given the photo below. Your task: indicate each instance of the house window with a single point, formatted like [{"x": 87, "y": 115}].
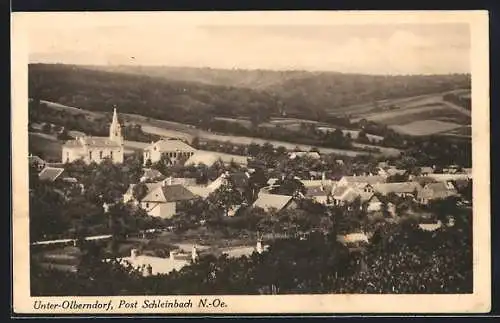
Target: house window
[
  {"x": 90, "y": 155},
  {"x": 147, "y": 205},
  {"x": 100, "y": 155},
  {"x": 111, "y": 154}
]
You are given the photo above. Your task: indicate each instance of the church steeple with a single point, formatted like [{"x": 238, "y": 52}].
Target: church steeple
[{"x": 115, "y": 130}]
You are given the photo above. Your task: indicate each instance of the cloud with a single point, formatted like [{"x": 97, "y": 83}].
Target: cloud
[{"x": 394, "y": 50}]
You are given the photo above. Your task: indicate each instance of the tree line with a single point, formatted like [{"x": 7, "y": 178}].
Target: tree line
[{"x": 308, "y": 97}]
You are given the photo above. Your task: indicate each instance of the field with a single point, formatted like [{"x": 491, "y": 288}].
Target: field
[
  {"x": 48, "y": 147},
  {"x": 288, "y": 123},
  {"x": 418, "y": 116},
  {"x": 60, "y": 107},
  {"x": 440, "y": 113},
  {"x": 425, "y": 127},
  {"x": 187, "y": 132},
  {"x": 465, "y": 132}
]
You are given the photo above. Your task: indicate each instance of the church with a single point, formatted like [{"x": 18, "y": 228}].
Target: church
[{"x": 96, "y": 149}]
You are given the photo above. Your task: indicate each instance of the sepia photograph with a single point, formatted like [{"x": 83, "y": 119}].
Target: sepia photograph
[{"x": 250, "y": 162}]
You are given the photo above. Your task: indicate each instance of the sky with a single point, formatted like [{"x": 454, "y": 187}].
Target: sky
[{"x": 370, "y": 48}]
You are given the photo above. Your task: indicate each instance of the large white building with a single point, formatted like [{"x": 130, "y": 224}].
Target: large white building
[
  {"x": 174, "y": 149},
  {"x": 96, "y": 149}
]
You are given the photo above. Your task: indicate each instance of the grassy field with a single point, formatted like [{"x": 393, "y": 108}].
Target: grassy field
[
  {"x": 460, "y": 132},
  {"x": 45, "y": 146},
  {"x": 409, "y": 115},
  {"x": 425, "y": 127},
  {"x": 371, "y": 108},
  {"x": 440, "y": 113}
]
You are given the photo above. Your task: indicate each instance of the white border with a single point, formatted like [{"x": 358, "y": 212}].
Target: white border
[{"x": 478, "y": 302}]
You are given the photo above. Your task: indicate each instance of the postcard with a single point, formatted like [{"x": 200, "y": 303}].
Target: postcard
[{"x": 287, "y": 162}]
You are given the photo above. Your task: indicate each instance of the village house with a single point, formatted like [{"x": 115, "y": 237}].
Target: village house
[
  {"x": 128, "y": 196},
  {"x": 202, "y": 158},
  {"x": 434, "y": 191},
  {"x": 209, "y": 158},
  {"x": 320, "y": 190},
  {"x": 239, "y": 179},
  {"x": 402, "y": 189},
  {"x": 173, "y": 149},
  {"x": 391, "y": 171},
  {"x": 276, "y": 202},
  {"x": 302, "y": 154},
  {"x": 96, "y": 149},
  {"x": 319, "y": 194},
  {"x": 153, "y": 265},
  {"x": 344, "y": 195},
  {"x": 50, "y": 174},
  {"x": 449, "y": 177},
  {"x": 373, "y": 204},
  {"x": 372, "y": 180},
  {"x": 162, "y": 201}
]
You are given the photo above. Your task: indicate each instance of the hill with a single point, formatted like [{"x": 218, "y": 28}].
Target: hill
[{"x": 174, "y": 93}]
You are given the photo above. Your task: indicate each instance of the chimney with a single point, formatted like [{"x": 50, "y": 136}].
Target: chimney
[
  {"x": 133, "y": 253},
  {"x": 194, "y": 254},
  {"x": 259, "y": 248}
]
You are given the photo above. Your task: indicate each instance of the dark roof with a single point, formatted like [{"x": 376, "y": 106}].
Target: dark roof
[
  {"x": 402, "y": 187},
  {"x": 169, "y": 193},
  {"x": 365, "y": 179},
  {"x": 50, "y": 173},
  {"x": 436, "y": 191},
  {"x": 315, "y": 191}
]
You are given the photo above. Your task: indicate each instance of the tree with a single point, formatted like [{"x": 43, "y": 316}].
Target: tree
[
  {"x": 225, "y": 197},
  {"x": 254, "y": 149},
  {"x": 290, "y": 186},
  {"x": 140, "y": 190},
  {"x": 362, "y": 138}
]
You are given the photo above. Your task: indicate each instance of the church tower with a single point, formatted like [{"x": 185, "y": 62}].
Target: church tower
[{"x": 115, "y": 130}]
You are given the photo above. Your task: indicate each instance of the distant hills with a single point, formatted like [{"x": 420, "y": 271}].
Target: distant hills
[{"x": 183, "y": 93}]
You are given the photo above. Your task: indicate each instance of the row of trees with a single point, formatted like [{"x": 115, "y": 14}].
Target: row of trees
[{"x": 40, "y": 112}]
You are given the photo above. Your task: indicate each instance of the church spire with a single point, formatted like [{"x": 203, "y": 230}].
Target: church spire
[{"x": 115, "y": 130}]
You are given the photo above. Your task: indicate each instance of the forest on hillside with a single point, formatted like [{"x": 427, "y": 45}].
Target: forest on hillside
[{"x": 189, "y": 99}]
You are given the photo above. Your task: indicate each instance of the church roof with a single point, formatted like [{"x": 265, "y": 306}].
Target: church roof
[{"x": 92, "y": 142}]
